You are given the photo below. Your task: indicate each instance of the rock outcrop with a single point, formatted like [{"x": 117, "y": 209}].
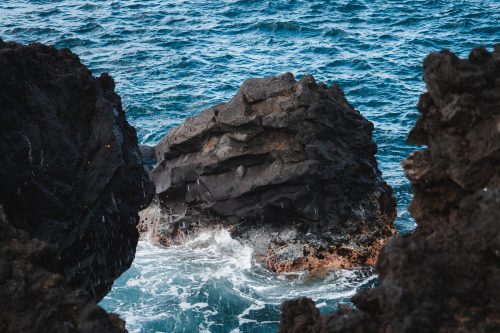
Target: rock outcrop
[
  {"x": 287, "y": 165},
  {"x": 445, "y": 276},
  {"x": 71, "y": 173},
  {"x": 37, "y": 299}
]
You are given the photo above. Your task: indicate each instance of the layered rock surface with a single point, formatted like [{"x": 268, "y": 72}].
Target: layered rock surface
[
  {"x": 445, "y": 276},
  {"x": 287, "y": 165},
  {"x": 71, "y": 173}
]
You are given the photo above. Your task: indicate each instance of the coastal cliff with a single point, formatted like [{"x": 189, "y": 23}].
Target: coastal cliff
[
  {"x": 444, "y": 276},
  {"x": 71, "y": 184},
  {"x": 288, "y": 166}
]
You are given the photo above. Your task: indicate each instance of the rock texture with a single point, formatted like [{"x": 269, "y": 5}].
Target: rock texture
[
  {"x": 445, "y": 276},
  {"x": 37, "y": 299},
  {"x": 286, "y": 164},
  {"x": 71, "y": 173}
]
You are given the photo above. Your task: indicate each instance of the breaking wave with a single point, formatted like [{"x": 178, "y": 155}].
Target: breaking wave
[{"x": 212, "y": 283}]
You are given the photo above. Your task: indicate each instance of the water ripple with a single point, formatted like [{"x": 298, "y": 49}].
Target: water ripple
[{"x": 172, "y": 59}]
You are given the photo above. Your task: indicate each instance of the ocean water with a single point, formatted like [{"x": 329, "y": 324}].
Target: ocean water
[{"x": 172, "y": 59}]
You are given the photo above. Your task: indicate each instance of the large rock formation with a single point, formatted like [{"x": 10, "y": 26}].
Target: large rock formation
[
  {"x": 287, "y": 165},
  {"x": 35, "y": 298},
  {"x": 71, "y": 173},
  {"x": 445, "y": 276}
]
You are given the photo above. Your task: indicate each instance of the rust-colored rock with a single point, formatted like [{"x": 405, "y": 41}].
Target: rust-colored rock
[{"x": 320, "y": 261}]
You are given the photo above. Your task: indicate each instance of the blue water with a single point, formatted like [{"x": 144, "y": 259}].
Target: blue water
[{"x": 172, "y": 59}]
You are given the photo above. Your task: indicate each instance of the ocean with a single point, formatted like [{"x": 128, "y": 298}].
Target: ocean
[{"x": 173, "y": 59}]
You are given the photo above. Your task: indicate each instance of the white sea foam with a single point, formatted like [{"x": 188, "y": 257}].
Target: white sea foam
[{"x": 214, "y": 279}]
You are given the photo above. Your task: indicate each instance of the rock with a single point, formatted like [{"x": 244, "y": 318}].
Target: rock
[
  {"x": 35, "y": 298},
  {"x": 286, "y": 165},
  {"x": 301, "y": 316},
  {"x": 148, "y": 157},
  {"x": 445, "y": 276},
  {"x": 71, "y": 173},
  {"x": 301, "y": 313}
]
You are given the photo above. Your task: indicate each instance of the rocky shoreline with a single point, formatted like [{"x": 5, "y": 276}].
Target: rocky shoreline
[
  {"x": 287, "y": 166},
  {"x": 444, "y": 276}
]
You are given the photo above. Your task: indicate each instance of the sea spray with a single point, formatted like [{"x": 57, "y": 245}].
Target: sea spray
[{"x": 213, "y": 283}]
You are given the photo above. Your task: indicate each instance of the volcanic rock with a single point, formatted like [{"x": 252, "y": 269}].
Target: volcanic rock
[
  {"x": 71, "y": 173},
  {"x": 445, "y": 276},
  {"x": 286, "y": 165},
  {"x": 37, "y": 299}
]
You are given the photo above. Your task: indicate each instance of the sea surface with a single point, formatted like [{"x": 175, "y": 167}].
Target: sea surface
[{"x": 172, "y": 59}]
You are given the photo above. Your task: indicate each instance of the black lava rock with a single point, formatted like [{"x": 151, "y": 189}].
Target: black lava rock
[{"x": 71, "y": 172}]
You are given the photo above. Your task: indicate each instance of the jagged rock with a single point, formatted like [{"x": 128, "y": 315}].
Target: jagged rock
[
  {"x": 301, "y": 313},
  {"x": 445, "y": 276},
  {"x": 287, "y": 165},
  {"x": 71, "y": 172},
  {"x": 37, "y": 299}
]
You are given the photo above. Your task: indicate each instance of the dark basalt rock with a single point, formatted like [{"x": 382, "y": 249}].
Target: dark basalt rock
[
  {"x": 71, "y": 173},
  {"x": 288, "y": 165},
  {"x": 37, "y": 299},
  {"x": 445, "y": 276}
]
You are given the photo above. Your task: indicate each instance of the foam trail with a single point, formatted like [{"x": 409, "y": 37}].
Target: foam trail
[{"x": 212, "y": 283}]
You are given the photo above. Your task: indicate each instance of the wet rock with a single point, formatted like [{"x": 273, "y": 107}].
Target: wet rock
[
  {"x": 445, "y": 276},
  {"x": 148, "y": 157},
  {"x": 301, "y": 313},
  {"x": 35, "y": 298},
  {"x": 286, "y": 165},
  {"x": 162, "y": 225},
  {"x": 71, "y": 173}
]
